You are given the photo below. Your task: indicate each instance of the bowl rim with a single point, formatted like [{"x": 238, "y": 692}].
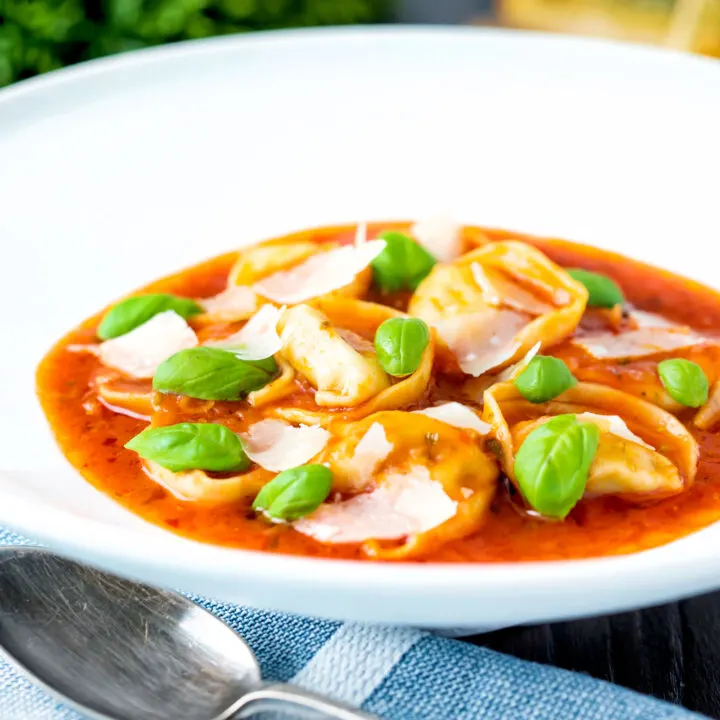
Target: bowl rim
[
  {"x": 122, "y": 544},
  {"x": 121, "y": 62}
]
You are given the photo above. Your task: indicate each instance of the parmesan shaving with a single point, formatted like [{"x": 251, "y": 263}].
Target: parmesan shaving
[
  {"x": 637, "y": 343},
  {"x": 320, "y": 274},
  {"x": 236, "y": 302},
  {"x": 405, "y": 504},
  {"x": 651, "y": 320},
  {"x": 476, "y": 366},
  {"x": 709, "y": 413},
  {"x": 277, "y": 446},
  {"x": 441, "y": 236},
  {"x": 613, "y": 424},
  {"x": 258, "y": 339},
  {"x": 361, "y": 234},
  {"x": 139, "y": 352},
  {"x": 561, "y": 297},
  {"x": 513, "y": 371},
  {"x": 483, "y": 340},
  {"x": 355, "y": 341},
  {"x": 499, "y": 291},
  {"x": 457, "y": 415},
  {"x": 372, "y": 449}
]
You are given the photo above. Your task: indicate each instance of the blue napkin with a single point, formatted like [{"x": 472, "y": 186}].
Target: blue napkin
[{"x": 397, "y": 673}]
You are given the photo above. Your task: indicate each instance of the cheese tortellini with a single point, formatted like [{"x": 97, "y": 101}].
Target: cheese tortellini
[
  {"x": 644, "y": 452},
  {"x": 492, "y": 305},
  {"x": 403, "y": 476},
  {"x": 340, "y": 365},
  {"x": 327, "y": 343},
  {"x": 294, "y": 264}
]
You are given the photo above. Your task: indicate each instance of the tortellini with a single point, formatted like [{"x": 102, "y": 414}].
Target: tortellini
[
  {"x": 410, "y": 477},
  {"x": 644, "y": 452},
  {"x": 327, "y": 344},
  {"x": 492, "y": 305},
  {"x": 341, "y": 366},
  {"x": 134, "y": 397},
  {"x": 285, "y": 263},
  {"x": 199, "y": 487}
]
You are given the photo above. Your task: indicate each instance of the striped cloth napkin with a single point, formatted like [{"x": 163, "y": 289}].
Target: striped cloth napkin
[{"x": 396, "y": 673}]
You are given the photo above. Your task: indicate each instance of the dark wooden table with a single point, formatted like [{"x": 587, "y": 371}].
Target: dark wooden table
[{"x": 671, "y": 651}]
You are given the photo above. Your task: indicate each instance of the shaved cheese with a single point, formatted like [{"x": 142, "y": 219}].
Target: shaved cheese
[
  {"x": 405, "y": 504},
  {"x": 235, "y": 302},
  {"x": 613, "y": 424},
  {"x": 647, "y": 320},
  {"x": 513, "y": 371},
  {"x": 457, "y": 415},
  {"x": 140, "y": 352},
  {"x": 441, "y": 236},
  {"x": 503, "y": 292},
  {"x": 483, "y": 340},
  {"x": 277, "y": 446},
  {"x": 361, "y": 234},
  {"x": 355, "y": 341},
  {"x": 372, "y": 449},
  {"x": 709, "y": 413},
  {"x": 82, "y": 348},
  {"x": 561, "y": 297},
  {"x": 476, "y": 366},
  {"x": 258, "y": 339},
  {"x": 320, "y": 274},
  {"x": 637, "y": 343}
]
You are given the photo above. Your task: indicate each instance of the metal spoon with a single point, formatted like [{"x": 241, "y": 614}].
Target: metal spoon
[{"x": 118, "y": 650}]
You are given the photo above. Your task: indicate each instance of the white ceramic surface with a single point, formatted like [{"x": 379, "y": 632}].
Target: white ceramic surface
[{"x": 122, "y": 170}]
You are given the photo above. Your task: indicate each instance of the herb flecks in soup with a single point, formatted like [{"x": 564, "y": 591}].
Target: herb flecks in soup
[{"x": 403, "y": 391}]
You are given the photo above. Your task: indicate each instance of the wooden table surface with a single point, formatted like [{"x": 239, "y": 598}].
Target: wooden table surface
[{"x": 671, "y": 651}]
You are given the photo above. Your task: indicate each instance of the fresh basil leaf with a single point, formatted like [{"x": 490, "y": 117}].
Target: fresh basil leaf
[
  {"x": 684, "y": 381},
  {"x": 402, "y": 264},
  {"x": 544, "y": 378},
  {"x": 553, "y": 464},
  {"x": 191, "y": 446},
  {"x": 602, "y": 290},
  {"x": 294, "y": 493},
  {"x": 135, "y": 311},
  {"x": 212, "y": 374},
  {"x": 400, "y": 344}
]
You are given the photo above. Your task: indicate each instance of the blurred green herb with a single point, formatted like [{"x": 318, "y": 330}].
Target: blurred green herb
[{"x": 41, "y": 35}]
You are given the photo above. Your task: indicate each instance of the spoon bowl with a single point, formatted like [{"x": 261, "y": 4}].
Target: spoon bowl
[{"x": 120, "y": 650}]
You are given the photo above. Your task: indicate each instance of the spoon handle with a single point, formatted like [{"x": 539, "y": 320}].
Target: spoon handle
[{"x": 273, "y": 697}]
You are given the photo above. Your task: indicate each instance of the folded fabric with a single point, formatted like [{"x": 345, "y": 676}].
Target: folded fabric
[{"x": 396, "y": 673}]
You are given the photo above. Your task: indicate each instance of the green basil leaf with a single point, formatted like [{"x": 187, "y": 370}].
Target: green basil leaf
[
  {"x": 400, "y": 344},
  {"x": 602, "y": 291},
  {"x": 685, "y": 381},
  {"x": 191, "y": 446},
  {"x": 553, "y": 464},
  {"x": 294, "y": 493},
  {"x": 211, "y": 373},
  {"x": 544, "y": 378},
  {"x": 402, "y": 264},
  {"x": 135, "y": 311}
]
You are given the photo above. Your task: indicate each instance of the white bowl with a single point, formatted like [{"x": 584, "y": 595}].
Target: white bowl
[{"x": 120, "y": 171}]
